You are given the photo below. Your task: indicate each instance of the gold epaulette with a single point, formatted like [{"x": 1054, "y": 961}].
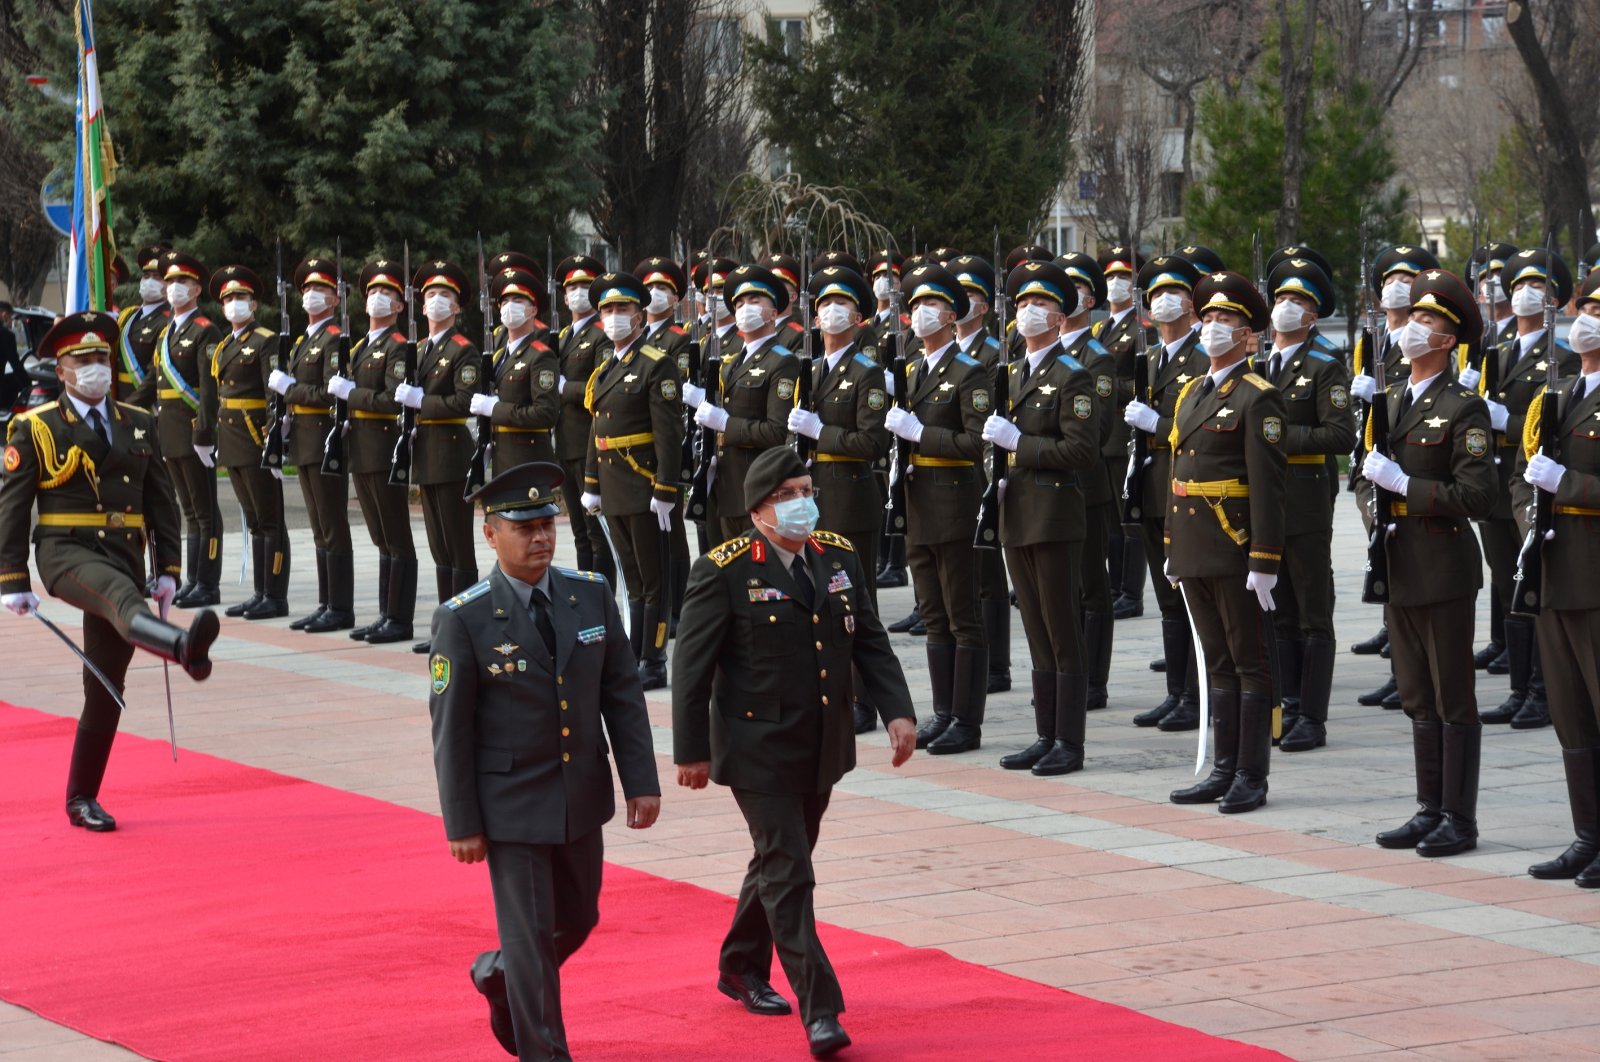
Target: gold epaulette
[
  {"x": 829, "y": 538},
  {"x": 579, "y": 573},
  {"x": 1261, "y": 382},
  {"x": 265, "y": 333},
  {"x": 653, "y": 353},
  {"x": 729, "y": 551},
  {"x": 1530, "y": 426}
]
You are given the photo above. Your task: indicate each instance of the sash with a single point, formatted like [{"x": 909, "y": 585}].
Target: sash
[
  {"x": 190, "y": 396},
  {"x": 129, "y": 361}
]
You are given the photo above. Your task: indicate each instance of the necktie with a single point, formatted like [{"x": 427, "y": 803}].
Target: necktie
[
  {"x": 802, "y": 577},
  {"x": 1027, "y": 370},
  {"x": 1577, "y": 391},
  {"x": 1400, "y": 410},
  {"x": 1274, "y": 367},
  {"x": 98, "y": 423},
  {"x": 541, "y": 619},
  {"x": 1161, "y": 362},
  {"x": 1206, "y": 386}
]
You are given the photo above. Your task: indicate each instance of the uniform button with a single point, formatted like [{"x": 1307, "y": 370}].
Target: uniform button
[
  {"x": 772, "y": 619},
  {"x": 823, "y": 674},
  {"x": 819, "y": 646},
  {"x": 566, "y": 731},
  {"x": 749, "y": 715},
  {"x": 124, "y": 479},
  {"x": 1174, "y": 508},
  {"x": 558, "y": 680},
  {"x": 815, "y": 618},
  {"x": 1191, "y": 512},
  {"x": 563, "y": 706},
  {"x": 824, "y": 698},
  {"x": 102, "y": 534},
  {"x": 99, "y": 508},
  {"x": 566, "y": 757}
]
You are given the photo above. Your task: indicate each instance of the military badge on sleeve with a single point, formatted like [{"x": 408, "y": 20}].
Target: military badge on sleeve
[
  {"x": 397, "y": 369},
  {"x": 980, "y": 400},
  {"x": 13, "y": 458},
  {"x": 439, "y": 668},
  {"x": 1082, "y": 407},
  {"x": 1477, "y": 443},
  {"x": 785, "y": 388},
  {"x": 1272, "y": 429},
  {"x": 669, "y": 389},
  {"x": 547, "y": 379},
  {"x": 876, "y": 400},
  {"x": 469, "y": 374},
  {"x": 1102, "y": 386},
  {"x": 1339, "y": 396}
]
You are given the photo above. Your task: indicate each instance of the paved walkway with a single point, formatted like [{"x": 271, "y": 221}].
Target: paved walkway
[{"x": 1286, "y": 927}]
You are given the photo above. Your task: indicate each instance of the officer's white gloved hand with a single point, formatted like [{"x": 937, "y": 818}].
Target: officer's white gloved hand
[
  {"x": 1363, "y": 387},
  {"x": 804, "y": 422},
  {"x": 1001, "y": 432},
  {"x": 1499, "y": 415},
  {"x": 1385, "y": 473},
  {"x": 166, "y": 587},
  {"x": 206, "y": 454},
  {"x": 483, "y": 405},
  {"x": 693, "y": 395},
  {"x": 21, "y": 603},
  {"x": 280, "y": 381},
  {"x": 663, "y": 511},
  {"x": 1262, "y": 584},
  {"x": 340, "y": 388},
  {"x": 1544, "y": 473},
  {"x": 590, "y": 502},
  {"x": 1469, "y": 378},
  {"x": 409, "y": 395},
  {"x": 1141, "y": 416},
  {"x": 709, "y": 416},
  {"x": 905, "y": 424}
]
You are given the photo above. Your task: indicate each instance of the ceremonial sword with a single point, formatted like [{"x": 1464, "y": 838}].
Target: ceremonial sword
[
  {"x": 1200, "y": 672},
  {"x": 70, "y": 644}
]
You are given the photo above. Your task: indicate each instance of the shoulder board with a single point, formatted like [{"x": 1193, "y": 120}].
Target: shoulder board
[
  {"x": 201, "y": 320},
  {"x": 991, "y": 342},
  {"x": 131, "y": 408},
  {"x": 1260, "y": 382},
  {"x": 1098, "y": 347},
  {"x": 333, "y": 330},
  {"x": 1070, "y": 362},
  {"x": 677, "y": 330},
  {"x": 1323, "y": 343},
  {"x": 460, "y": 340},
  {"x": 653, "y": 353},
  {"x": 264, "y": 333},
  {"x": 967, "y": 359},
  {"x": 725, "y": 554},
  {"x": 1011, "y": 326},
  {"x": 122, "y": 318},
  {"x": 779, "y": 350},
  {"x": 499, "y": 330},
  {"x": 471, "y": 593},
  {"x": 539, "y": 344},
  {"x": 36, "y": 410},
  {"x": 1562, "y": 344},
  {"x": 581, "y": 575},
  {"x": 1321, "y": 356},
  {"x": 863, "y": 360},
  {"x": 828, "y": 538},
  {"x": 1464, "y": 391}
]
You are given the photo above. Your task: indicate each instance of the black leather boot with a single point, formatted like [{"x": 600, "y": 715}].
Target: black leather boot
[
  {"x": 1372, "y": 646},
  {"x": 996, "y": 613},
  {"x": 322, "y": 593},
  {"x": 1584, "y": 798},
  {"x": 941, "y": 675},
  {"x": 189, "y": 649},
  {"x": 1376, "y": 697},
  {"x": 1519, "y": 654},
  {"x": 1097, "y": 637},
  {"x": 340, "y": 615},
  {"x": 1427, "y": 751},
  {"x": 967, "y": 693},
  {"x": 399, "y": 603},
  {"x": 893, "y": 572},
  {"x": 1044, "y": 724},
  {"x": 1457, "y": 831},
  {"x": 1066, "y": 755},
  {"x": 1310, "y": 730},
  {"x": 1175, "y": 642},
  {"x": 1225, "y": 752},
  {"x": 258, "y": 573},
  {"x": 1497, "y": 639},
  {"x": 274, "y": 602},
  {"x": 904, "y": 626},
  {"x": 653, "y": 664},
  {"x": 91, "y": 751},
  {"x": 1290, "y": 658},
  {"x": 1535, "y": 710},
  {"x": 1186, "y": 716},
  {"x": 191, "y": 556},
  {"x": 1249, "y": 788}
]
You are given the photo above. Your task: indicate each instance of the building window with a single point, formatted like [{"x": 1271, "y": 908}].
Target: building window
[
  {"x": 1172, "y": 194},
  {"x": 724, "y": 47},
  {"x": 792, "y": 31}
]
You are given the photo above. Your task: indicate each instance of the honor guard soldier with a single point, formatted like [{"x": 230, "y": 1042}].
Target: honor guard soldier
[
  {"x": 186, "y": 424},
  {"x": 1202, "y": 258},
  {"x": 1102, "y": 495},
  {"x": 539, "y": 323},
  {"x": 1569, "y": 616},
  {"x": 874, "y": 338},
  {"x": 139, "y": 327},
  {"x": 525, "y": 403},
  {"x": 377, "y": 369},
  {"x": 720, "y": 342},
  {"x": 1441, "y": 474},
  {"x": 775, "y": 624},
  {"x": 1488, "y": 264},
  {"x": 666, "y": 282},
  {"x": 237, "y": 384},
  {"x": 1176, "y": 360},
  {"x": 787, "y": 268},
  {"x": 1318, "y": 426},
  {"x": 758, "y": 389},
  {"x": 1051, "y": 441},
  {"x": 581, "y": 347},
  {"x": 1225, "y": 535},
  {"x": 949, "y": 395},
  {"x": 849, "y": 400},
  {"x": 447, "y": 377},
  {"x": 1125, "y": 334},
  {"x": 102, "y": 493},
  {"x": 531, "y": 683},
  {"x": 314, "y": 358},
  {"x": 1532, "y": 277},
  {"x": 631, "y": 478},
  {"x": 1025, "y": 252}
]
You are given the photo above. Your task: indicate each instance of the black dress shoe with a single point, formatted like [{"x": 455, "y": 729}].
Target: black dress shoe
[
  {"x": 918, "y": 629},
  {"x": 999, "y": 682},
  {"x": 904, "y": 625},
  {"x": 957, "y": 737},
  {"x": 1306, "y": 735},
  {"x": 1158, "y": 713},
  {"x": 1377, "y": 696},
  {"x": 267, "y": 608},
  {"x": 1125, "y": 607},
  {"x": 1213, "y": 786},
  {"x": 1024, "y": 760},
  {"x": 1159, "y": 665},
  {"x": 301, "y": 623},
  {"x": 87, "y": 812},
  {"x": 1373, "y": 644},
  {"x": 1245, "y": 794},
  {"x": 389, "y": 631},
  {"x": 930, "y": 728},
  {"x": 489, "y": 978},
  {"x": 1534, "y": 713},
  {"x": 1507, "y": 711},
  {"x": 203, "y": 597},
  {"x": 891, "y": 578},
  {"x": 653, "y": 674},
  {"x": 757, "y": 995},
  {"x": 235, "y": 611},
  {"x": 331, "y": 619},
  {"x": 1485, "y": 656},
  {"x": 1451, "y": 837},
  {"x": 1186, "y": 716},
  {"x": 1411, "y": 834},
  {"x": 1061, "y": 759},
  {"x": 1500, "y": 665},
  {"x": 826, "y": 1036},
  {"x": 866, "y": 719},
  {"x": 421, "y": 648},
  {"x": 1384, "y": 652}
]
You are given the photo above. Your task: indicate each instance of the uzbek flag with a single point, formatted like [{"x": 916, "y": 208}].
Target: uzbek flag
[{"x": 94, "y": 170}]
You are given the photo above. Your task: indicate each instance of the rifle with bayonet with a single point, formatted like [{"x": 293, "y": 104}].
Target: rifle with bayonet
[
  {"x": 272, "y": 447},
  {"x": 1138, "y": 441},
  {"x": 400, "y": 462},
  {"x": 900, "y": 456},
  {"x": 477, "y": 468},
  {"x": 333, "y": 446},
  {"x": 987, "y": 535},
  {"x": 1365, "y": 348},
  {"x": 1375, "y": 581},
  {"x": 1527, "y": 585},
  {"x": 697, "y": 505},
  {"x": 804, "y": 445}
]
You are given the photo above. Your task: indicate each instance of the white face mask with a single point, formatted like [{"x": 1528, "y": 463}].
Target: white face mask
[
  {"x": 438, "y": 308},
  {"x": 880, "y": 286},
  {"x": 1416, "y": 340},
  {"x": 514, "y": 314},
  {"x": 1119, "y": 289},
  {"x": 660, "y": 301},
  {"x": 1217, "y": 338},
  {"x": 716, "y": 307},
  {"x": 1527, "y": 301},
  {"x": 834, "y": 318},
  {"x": 237, "y": 311},
  {"x": 1396, "y": 294},
  {"x": 316, "y": 302},
  {"x": 1288, "y": 317},
  {"x": 379, "y": 305},
  {"x": 178, "y": 293},
  {"x": 926, "y": 320},
  {"x": 150, "y": 289},
  {"x": 1493, "y": 288},
  {"x": 749, "y": 318},
  {"x": 1167, "y": 307},
  {"x": 1584, "y": 335},
  {"x": 578, "y": 301},
  {"x": 1033, "y": 320},
  {"x": 93, "y": 381},
  {"x": 617, "y": 326}
]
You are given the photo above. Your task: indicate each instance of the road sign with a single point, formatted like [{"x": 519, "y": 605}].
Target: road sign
[{"x": 55, "y": 197}]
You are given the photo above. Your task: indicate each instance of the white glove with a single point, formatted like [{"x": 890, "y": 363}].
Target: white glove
[
  {"x": 1469, "y": 378},
  {"x": 1385, "y": 473},
  {"x": 277, "y": 474},
  {"x": 1141, "y": 416},
  {"x": 206, "y": 454},
  {"x": 561, "y": 383},
  {"x": 590, "y": 502},
  {"x": 1544, "y": 473},
  {"x": 709, "y": 416},
  {"x": 804, "y": 422},
  {"x": 1363, "y": 387},
  {"x": 280, "y": 381},
  {"x": 693, "y": 395},
  {"x": 408, "y": 395},
  {"x": 1001, "y": 432},
  {"x": 340, "y": 388},
  {"x": 888, "y": 382},
  {"x": 483, "y": 405},
  {"x": 1498, "y": 414},
  {"x": 166, "y": 587},
  {"x": 905, "y": 424},
  {"x": 1262, "y": 584},
  {"x": 20, "y": 603},
  {"x": 663, "y": 511}
]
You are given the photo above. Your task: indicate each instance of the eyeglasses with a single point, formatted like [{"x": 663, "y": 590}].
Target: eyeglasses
[{"x": 796, "y": 492}]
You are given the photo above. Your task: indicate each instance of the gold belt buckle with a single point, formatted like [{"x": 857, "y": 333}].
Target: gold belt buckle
[
  {"x": 115, "y": 520},
  {"x": 1180, "y": 489}
]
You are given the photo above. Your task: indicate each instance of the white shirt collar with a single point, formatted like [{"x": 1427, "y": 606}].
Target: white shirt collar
[
  {"x": 1036, "y": 357},
  {"x": 179, "y": 318},
  {"x": 83, "y": 407},
  {"x": 933, "y": 357},
  {"x": 1219, "y": 375},
  {"x": 1069, "y": 338},
  {"x": 1415, "y": 389},
  {"x": 1526, "y": 343},
  {"x": 1285, "y": 353}
]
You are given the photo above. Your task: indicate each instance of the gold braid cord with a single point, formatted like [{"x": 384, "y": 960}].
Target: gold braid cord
[
  {"x": 1530, "y": 426},
  {"x": 1172, "y": 436},
  {"x": 59, "y": 472}
]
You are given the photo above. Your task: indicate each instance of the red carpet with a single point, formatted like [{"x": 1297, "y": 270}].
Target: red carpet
[{"x": 241, "y": 914}]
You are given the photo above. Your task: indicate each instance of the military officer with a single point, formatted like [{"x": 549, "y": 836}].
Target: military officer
[
  {"x": 539, "y": 322},
  {"x": 849, "y": 399},
  {"x": 314, "y": 358},
  {"x": 531, "y": 682},
  {"x": 874, "y": 339},
  {"x": 632, "y": 472},
  {"x": 1318, "y": 425},
  {"x": 1048, "y": 432},
  {"x": 775, "y": 624},
  {"x": 1569, "y": 618},
  {"x": 788, "y": 270},
  {"x": 1441, "y": 472},
  {"x": 237, "y": 385},
  {"x": 720, "y": 341},
  {"x": 102, "y": 493},
  {"x": 1124, "y": 333},
  {"x": 1175, "y": 361},
  {"x": 525, "y": 403},
  {"x": 666, "y": 282},
  {"x": 1488, "y": 264},
  {"x": 581, "y": 347},
  {"x": 1225, "y": 537},
  {"x": 139, "y": 327},
  {"x": 377, "y": 368}
]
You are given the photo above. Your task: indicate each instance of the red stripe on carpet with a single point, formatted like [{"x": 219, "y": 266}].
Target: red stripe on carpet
[{"x": 237, "y": 913}]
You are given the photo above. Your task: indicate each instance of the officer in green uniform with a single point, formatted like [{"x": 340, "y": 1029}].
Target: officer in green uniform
[
  {"x": 139, "y": 327},
  {"x": 542, "y": 314},
  {"x": 102, "y": 494},
  {"x": 631, "y": 477},
  {"x": 666, "y": 282},
  {"x": 237, "y": 385},
  {"x": 581, "y": 347},
  {"x": 314, "y": 358},
  {"x": 1123, "y": 333},
  {"x": 1048, "y": 431},
  {"x": 377, "y": 368},
  {"x": 788, "y": 270},
  {"x": 1441, "y": 472},
  {"x": 531, "y": 684},
  {"x": 884, "y": 266},
  {"x": 525, "y": 403},
  {"x": 775, "y": 624}
]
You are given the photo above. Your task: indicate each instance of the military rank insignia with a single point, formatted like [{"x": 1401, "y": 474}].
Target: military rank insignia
[
  {"x": 1082, "y": 407},
  {"x": 439, "y": 668},
  {"x": 1272, "y": 429},
  {"x": 1477, "y": 443}
]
